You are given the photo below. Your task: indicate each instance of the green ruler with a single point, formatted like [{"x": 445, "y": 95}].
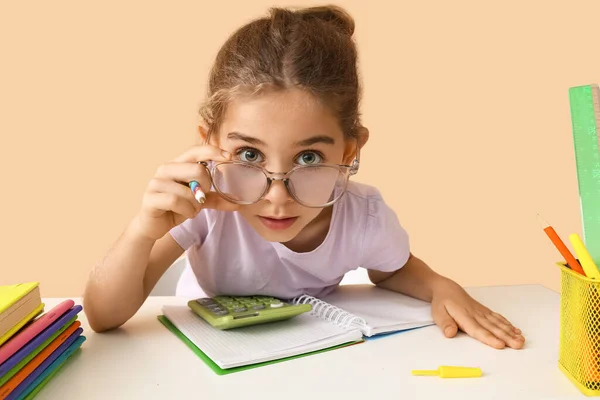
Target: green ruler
[{"x": 585, "y": 117}]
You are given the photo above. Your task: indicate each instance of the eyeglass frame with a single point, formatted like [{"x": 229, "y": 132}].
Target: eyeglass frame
[{"x": 351, "y": 169}]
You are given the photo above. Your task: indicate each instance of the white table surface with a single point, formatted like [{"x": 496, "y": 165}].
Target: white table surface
[{"x": 143, "y": 360}]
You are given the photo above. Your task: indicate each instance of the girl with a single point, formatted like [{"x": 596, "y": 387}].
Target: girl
[{"x": 282, "y": 136}]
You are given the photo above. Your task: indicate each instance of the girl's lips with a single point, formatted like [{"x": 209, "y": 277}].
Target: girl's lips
[{"x": 277, "y": 223}]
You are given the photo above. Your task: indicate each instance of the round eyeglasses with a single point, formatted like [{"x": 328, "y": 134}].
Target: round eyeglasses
[{"x": 315, "y": 185}]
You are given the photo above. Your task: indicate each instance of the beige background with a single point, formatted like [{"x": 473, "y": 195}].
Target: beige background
[{"x": 467, "y": 105}]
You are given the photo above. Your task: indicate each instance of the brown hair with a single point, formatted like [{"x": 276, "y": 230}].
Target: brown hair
[{"x": 309, "y": 48}]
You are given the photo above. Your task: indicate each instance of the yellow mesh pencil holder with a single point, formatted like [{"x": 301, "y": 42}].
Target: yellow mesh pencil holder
[{"x": 579, "y": 350}]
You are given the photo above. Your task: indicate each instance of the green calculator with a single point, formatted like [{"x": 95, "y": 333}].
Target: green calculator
[{"x": 226, "y": 312}]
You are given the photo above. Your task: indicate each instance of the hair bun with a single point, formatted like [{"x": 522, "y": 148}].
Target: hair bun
[{"x": 332, "y": 14}]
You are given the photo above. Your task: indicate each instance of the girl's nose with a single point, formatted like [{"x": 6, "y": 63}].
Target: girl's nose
[{"x": 278, "y": 193}]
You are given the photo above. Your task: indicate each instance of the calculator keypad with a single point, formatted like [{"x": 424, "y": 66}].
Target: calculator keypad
[{"x": 224, "y": 305}]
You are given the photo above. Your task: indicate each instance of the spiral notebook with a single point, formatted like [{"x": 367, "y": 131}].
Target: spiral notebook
[{"x": 345, "y": 317}]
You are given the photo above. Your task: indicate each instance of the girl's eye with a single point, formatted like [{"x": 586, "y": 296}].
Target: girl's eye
[
  {"x": 310, "y": 157},
  {"x": 250, "y": 155}
]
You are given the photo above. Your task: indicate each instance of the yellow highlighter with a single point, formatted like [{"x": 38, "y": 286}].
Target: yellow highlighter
[
  {"x": 586, "y": 261},
  {"x": 448, "y": 371}
]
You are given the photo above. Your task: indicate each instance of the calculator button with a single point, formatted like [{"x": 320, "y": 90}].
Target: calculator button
[
  {"x": 240, "y": 309},
  {"x": 220, "y": 312},
  {"x": 205, "y": 301},
  {"x": 258, "y": 307},
  {"x": 276, "y": 305}
]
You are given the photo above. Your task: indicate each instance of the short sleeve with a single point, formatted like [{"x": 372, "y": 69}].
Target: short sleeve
[
  {"x": 386, "y": 245},
  {"x": 191, "y": 231}
]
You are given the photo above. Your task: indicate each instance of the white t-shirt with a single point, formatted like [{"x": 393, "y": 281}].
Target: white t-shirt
[{"x": 226, "y": 255}]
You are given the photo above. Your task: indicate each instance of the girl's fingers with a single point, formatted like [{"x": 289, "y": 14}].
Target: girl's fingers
[
  {"x": 204, "y": 179},
  {"x": 443, "y": 320},
  {"x": 507, "y": 322},
  {"x": 204, "y": 152},
  {"x": 186, "y": 169},
  {"x": 167, "y": 186},
  {"x": 168, "y": 201},
  {"x": 473, "y": 328},
  {"x": 504, "y": 324},
  {"x": 184, "y": 173},
  {"x": 497, "y": 331},
  {"x": 170, "y": 190},
  {"x": 501, "y": 330}
]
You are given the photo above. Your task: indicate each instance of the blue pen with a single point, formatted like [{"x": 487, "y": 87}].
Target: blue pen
[{"x": 198, "y": 193}]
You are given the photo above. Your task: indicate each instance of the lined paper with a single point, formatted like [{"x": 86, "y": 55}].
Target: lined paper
[
  {"x": 258, "y": 343},
  {"x": 382, "y": 309}
]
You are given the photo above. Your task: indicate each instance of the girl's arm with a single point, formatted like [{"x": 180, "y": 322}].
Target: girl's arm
[
  {"x": 451, "y": 306},
  {"x": 414, "y": 279},
  {"x": 119, "y": 285},
  {"x": 121, "y": 282}
]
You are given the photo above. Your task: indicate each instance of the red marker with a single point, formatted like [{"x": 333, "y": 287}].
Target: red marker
[{"x": 559, "y": 244}]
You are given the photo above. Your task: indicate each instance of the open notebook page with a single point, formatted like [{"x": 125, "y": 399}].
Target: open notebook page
[
  {"x": 383, "y": 310},
  {"x": 258, "y": 343}
]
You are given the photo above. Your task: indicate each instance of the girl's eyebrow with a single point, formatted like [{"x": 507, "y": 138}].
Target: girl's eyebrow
[
  {"x": 245, "y": 138},
  {"x": 316, "y": 139},
  {"x": 302, "y": 143}
]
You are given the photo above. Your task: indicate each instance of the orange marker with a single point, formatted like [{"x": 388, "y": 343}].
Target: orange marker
[{"x": 559, "y": 244}]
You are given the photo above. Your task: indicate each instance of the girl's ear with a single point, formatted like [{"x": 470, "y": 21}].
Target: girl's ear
[
  {"x": 203, "y": 132},
  {"x": 350, "y": 153},
  {"x": 362, "y": 135}
]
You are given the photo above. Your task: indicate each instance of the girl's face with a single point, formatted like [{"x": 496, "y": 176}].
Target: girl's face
[{"x": 279, "y": 130}]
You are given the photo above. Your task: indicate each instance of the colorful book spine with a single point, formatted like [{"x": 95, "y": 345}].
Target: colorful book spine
[{"x": 39, "y": 345}]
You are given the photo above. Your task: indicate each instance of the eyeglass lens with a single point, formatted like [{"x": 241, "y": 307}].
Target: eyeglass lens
[{"x": 312, "y": 186}]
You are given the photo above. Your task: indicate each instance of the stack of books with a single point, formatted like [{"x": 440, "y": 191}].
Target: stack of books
[{"x": 34, "y": 344}]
